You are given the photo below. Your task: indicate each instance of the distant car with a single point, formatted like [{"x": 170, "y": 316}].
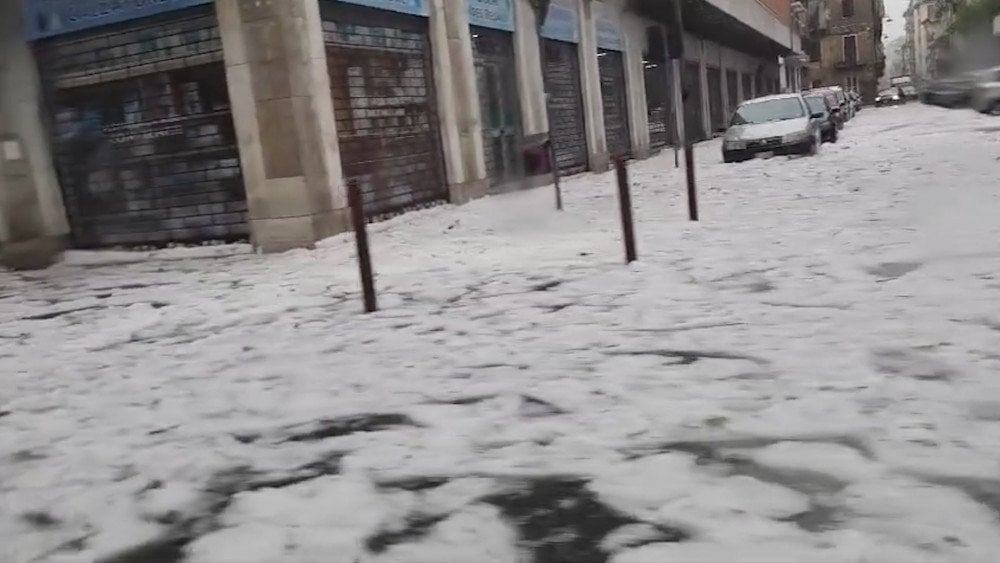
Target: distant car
[
  {"x": 985, "y": 95},
  {"x": 952, "y": 92},
  {"x": 823, "y": 104},
  {"x": 889, "y": 97},
  {"x": 856, "y": 99},
  {"x": 773, "y": 125},
  {"x": 846, "y": 108}
]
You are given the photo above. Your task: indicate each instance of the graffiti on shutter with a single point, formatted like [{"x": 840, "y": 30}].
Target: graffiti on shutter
[
  {"x": 565, "y": 103},
  {"x": 384, "y": 104},
  {"x": 142, "y": 134},
  {"x": 611, "y": 67}
]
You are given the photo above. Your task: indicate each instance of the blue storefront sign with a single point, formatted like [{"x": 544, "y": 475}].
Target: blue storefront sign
[
  {"x": 608, "y": 26},
  {"x": 563, "y": 21},
  {"x": 48, "y": 18},
  {"x": 413, "y": 7},
  {"x": 495, "y": 14}
]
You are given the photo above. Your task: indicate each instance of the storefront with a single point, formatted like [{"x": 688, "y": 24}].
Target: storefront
[
  {"x": 611, "y": 67},
  {"x": 694, "y": 128},
  {"x": 382, "y": 81},
  {"x": 561, "y": 68},
  {"x": 142, "y": 134},
  {"x": 655, "y": 66},
  {"x": 733, "y": 92},
  {"x": 492, "y": 31},
  {"x": 715, "y": 109},
  {"x": 748, "y": 92}
]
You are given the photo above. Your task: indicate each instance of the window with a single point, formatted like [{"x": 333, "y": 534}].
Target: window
[
  {"x": 851, "y": 49},
  {"x": 847, "y": 8}
]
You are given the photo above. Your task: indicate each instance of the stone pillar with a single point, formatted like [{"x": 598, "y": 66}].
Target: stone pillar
[
  {"x": 458, "y": 101},
  {"x": 724, "y": 65},
  {"x": 634, "y": 32},
  {"x": 783, "y": 82},
  {"x": 282, "y": 108},
  {"x": 706, "y": 97},
  {"x": 32, "y": 217},
  {"x": 530, "y": 81},
  {"x": 590, "y": 80}
]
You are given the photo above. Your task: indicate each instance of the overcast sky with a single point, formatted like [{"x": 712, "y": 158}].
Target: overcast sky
[{"x": 894, "y": 11}]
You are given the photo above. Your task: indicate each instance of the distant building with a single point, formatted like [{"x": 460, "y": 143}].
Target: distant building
[{"x": 845, "y": 45}]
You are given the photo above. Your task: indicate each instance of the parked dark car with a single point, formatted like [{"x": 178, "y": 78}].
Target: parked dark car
[
  {"x": 845, "y": 107},
  {"x": 950, "y": 92},
  {"x": 822, "y": 105},
  {"x": 890, "y": 97}
]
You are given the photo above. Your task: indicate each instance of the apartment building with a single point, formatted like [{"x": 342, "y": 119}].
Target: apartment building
[
  {"x": 845, "y": 45},
  {"x": 148, "y": 123}
]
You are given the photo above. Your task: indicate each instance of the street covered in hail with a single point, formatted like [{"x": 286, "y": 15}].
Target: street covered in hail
[{"x": 809, "y": 373}]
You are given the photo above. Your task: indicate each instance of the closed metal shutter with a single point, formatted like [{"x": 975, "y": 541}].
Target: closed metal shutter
[
  {"x": 715, "y": 99},
  {"x": 611, "y": 67},
  {"x": 383, "y": 97},
  {"x": 693, "y": 126},
  {"x": 732, "y": 88},
  {"x": 565, "y": 103},
  {"x": 657, "y": 103},
  {"x": 499, "y": 104},
  {"x": 143, "y": 137}
]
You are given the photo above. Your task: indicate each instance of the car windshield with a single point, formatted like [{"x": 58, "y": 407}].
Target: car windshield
[
  {"x": 890, "y": 92},
  {"x": 816, "y": 104},
  {"x": 770, "y": 110}
]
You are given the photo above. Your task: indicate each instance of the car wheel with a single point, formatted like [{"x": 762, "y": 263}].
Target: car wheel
[{"x": 993, "y": 108}]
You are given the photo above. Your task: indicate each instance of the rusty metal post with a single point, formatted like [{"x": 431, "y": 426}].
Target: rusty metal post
[
  {"x": 691, "y": 189},
  {"x": 625, "y": 205},
  {"x": 357, "y": 204}
]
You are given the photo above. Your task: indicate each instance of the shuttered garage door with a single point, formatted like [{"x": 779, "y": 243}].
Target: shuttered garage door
[
  {"x": 143, "y": 137},
  {"x": 611, "y": 66},
  {"x": 715, "y": 99},
  {"x": 562, "y": 83},
  {"x": 383, "y": 96},
  {"x": 693, "y": 126}
]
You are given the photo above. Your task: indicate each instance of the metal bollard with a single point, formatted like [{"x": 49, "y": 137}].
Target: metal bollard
[
  {"x": 357, "y": 204},
  {"x": 551, "y": 151},
  {"x": 625, "y": 205}
]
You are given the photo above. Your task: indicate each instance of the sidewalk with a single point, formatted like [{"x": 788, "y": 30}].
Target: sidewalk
[{"x": 809, "y": 374}]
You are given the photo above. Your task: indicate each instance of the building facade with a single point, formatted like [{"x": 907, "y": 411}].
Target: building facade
[
  {"x": 189, "y": 120},
  {"x": 846, "y": 45},
  {"x": 927, "y": 23}
]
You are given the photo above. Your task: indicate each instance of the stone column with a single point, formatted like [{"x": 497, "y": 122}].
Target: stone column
[
  {"x": 706, "y": 97},
  {"x": 32, "y": 217},
  {"x": 282, "y": 108},
  {"x": 590, "y": 80},
  {"x": 530, "y": 81},
  {"x": 458, "y": 101},
  {"x": 634, "y": 32}
]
